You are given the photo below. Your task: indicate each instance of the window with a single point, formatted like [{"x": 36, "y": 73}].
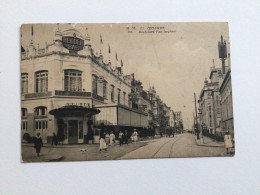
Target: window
[
  {"x": 94, "y": 84},
  {"x": 24, "y": 125},
  {"x": 40, "y": 111},
  {"x": 72, "y": 80},
  {"x": 41, "y": 124},
  {"x": 41, "y": 81},
  {"x": 124, "y": 94},
  {"x": 105, "y": 89},
  {"x": 118, "y": 95},
  {"x": 129, "y": 100},
  {"x": 24, "y": 83},
  {"x": 24, "y": 112},
  {"x": 112, "y": 92}
]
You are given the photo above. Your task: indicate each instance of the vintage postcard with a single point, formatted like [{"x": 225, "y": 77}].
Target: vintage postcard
[{"x": 125, "y": 91}]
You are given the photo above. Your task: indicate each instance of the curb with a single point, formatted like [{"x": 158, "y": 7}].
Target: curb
[{"x": 205, "y": 144}]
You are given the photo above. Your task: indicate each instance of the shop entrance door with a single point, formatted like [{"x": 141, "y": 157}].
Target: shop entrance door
[{"x": 73, "y": 131}]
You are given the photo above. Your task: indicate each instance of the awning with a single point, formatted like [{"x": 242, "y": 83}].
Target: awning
[{"x": 74, "y": 111}]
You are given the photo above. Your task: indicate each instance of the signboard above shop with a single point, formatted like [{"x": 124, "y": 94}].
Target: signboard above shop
[{"x": 72, "y": 43}]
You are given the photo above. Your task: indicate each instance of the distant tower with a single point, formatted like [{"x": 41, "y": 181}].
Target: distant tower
[{"x": 222, "y": 50}]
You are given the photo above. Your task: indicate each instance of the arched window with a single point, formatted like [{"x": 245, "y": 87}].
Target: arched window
[
  {"x": 40, "y": 111},
  {"x": 41, "y": 81},
  {"x": 94, "y": 84},
  {"x": 24, "y": 83},
  {"x": 105, "y": 89},
  {"x": 72, "y": 80}
]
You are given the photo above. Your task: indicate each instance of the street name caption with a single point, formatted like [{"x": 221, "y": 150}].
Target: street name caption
[{"x": 149, "y": 29}]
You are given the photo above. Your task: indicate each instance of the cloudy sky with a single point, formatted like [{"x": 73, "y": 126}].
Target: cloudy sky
[{"x": 175, "y": 63}]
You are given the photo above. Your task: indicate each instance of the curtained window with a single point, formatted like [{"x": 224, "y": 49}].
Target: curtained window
[
  {"x": 72, "y": 80},
  {"x": 24, "y": 83},
  {"x": 41, "y": 81}
]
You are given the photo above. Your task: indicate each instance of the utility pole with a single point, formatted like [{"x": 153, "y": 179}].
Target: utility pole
[
  {"x": 194, "y": 124},
  {"x": 197, "y": 126}
]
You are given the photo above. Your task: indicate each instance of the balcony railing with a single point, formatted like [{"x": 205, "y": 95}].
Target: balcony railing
[
  {"x": 73, "y": 93},
  {"x": 97, "y": 97},
  {"x": 37, "y": 95}
]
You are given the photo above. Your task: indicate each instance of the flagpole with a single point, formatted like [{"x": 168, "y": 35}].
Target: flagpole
[
  {"x": 101, "y": 42},
  {"x": 109, "y": 51}
]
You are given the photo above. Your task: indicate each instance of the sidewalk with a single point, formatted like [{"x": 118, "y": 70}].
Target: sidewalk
[
  {"x": 208, "y": 142},
  {"x": 78, "y": 152}
]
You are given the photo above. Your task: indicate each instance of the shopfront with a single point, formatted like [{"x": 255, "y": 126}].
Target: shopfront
[{"x": 73, "y": 123}]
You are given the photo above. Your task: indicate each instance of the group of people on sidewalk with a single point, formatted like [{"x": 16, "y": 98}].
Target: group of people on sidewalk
[{"x": 109, "y": 139}]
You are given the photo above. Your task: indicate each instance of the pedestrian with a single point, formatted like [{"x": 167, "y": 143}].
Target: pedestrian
[
  {"x": 38, "y": 144},
  {"x": 161, "y": 134},
  {"x": 228, "y": 142},
  {"x": 120, "y": 137},
  {"x": 112, "y": 138},
  {"x": 170, "y": 133},
  {"x": 102, "y": 142},
  {"x": 126, "y": 137},
  {"x": 107, "y": 137},
  {"x": 135, "y": 136},
  {"x": 173, "y": 131},
  {"x": 132, "y": 137},
  {"x": 54, "y": 140}
]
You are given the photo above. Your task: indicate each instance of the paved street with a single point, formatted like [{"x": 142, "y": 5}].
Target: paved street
[{"x": 182, "y": 145}]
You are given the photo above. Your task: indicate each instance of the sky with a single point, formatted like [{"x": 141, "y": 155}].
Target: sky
[{"x": 175, "y": 61}]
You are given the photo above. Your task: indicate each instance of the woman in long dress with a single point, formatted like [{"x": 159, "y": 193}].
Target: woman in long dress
[
  {"x": 228, "y": 141},
  {"x": 102, "y": 142},
  {"x": 135, "y": 136},
  {"x": 120, "y": 138},
  {"x": 112, "y": 138},
  {"x": 107, "y": 138}
]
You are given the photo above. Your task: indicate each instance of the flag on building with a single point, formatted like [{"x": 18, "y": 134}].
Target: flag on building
[
  {"x": 116, "y": 57},
  {"x": 101, "y": 41},
  {"x": 122, "y": 63},
  {"x": 32, "y": 30}
]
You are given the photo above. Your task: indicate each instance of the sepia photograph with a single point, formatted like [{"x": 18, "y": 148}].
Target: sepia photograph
[{"x": 115, "y": 91}]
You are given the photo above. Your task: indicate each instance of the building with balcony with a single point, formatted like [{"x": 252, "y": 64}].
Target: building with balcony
[{"x": 68, "y": 90}]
